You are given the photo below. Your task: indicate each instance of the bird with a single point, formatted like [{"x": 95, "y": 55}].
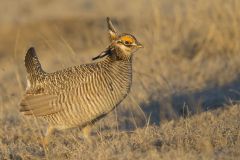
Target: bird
[{"x": 78, "y": 96}]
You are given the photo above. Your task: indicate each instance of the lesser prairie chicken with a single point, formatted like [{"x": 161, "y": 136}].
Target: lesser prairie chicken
[{"x": 78, "y": 96}]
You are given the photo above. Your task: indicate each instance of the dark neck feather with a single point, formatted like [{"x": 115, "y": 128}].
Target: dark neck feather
[
  {"x": 117, "y": 55},
  {"x": 113, "y": 60},
  {"x": 114, "y": 54}
]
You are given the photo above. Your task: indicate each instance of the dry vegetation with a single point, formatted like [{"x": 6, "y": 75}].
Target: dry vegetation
[{"x": 184, "y": 102}]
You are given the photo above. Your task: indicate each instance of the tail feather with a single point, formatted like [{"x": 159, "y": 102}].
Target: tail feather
[{"x": 32, "y": 63}]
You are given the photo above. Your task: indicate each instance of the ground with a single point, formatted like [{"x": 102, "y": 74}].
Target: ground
[{"x": 184, "y": 101}]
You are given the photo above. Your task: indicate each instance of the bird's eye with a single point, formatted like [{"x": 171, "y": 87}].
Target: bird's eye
[{"x": 127, "y": 43}]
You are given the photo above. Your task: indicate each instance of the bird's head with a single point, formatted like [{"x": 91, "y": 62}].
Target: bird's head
[{"x": 123, "y": 45}]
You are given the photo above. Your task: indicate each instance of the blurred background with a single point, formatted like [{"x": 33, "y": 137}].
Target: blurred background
[
  {"x": 191, "y": 54},
  {"x": 190, "y": 62}
]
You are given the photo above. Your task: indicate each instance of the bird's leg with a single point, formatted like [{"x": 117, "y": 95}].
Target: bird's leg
[
  {"x": 87, "y": 132},
  {"x": 47, "y": 135}
]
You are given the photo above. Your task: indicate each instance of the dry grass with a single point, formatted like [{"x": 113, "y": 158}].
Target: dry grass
[{"x": 184, "y": 102}]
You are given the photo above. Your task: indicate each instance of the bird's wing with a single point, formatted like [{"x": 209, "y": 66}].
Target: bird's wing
[{"x": 39, "y": 104}]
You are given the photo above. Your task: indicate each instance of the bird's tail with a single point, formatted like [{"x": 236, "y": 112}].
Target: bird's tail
[{"x": 32, "y": 63}]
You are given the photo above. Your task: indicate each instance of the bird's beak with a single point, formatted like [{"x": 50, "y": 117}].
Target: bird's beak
[{"x": 139, "y": 45}]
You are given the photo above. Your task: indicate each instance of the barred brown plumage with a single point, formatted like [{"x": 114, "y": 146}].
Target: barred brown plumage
[{"x": 80, "y": 95}]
